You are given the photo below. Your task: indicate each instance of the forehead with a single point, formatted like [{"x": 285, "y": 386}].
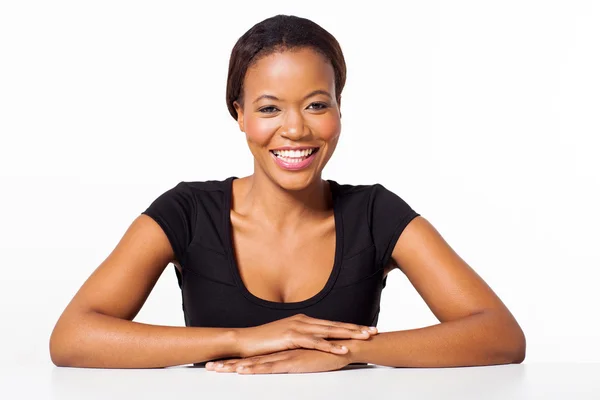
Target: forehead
[{"x": 290, "y": 71}]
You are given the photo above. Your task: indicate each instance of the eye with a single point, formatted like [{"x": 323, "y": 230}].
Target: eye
[
  {"x": 319, "y": 106},
  {"x": 268, "y": 109}
]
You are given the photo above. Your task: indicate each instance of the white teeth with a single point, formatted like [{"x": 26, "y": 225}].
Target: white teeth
[{"x": 293, "y": 153}]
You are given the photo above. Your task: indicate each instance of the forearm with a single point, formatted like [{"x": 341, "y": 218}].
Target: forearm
[
  {"x": 480, "y": 339},
  {"x": 99, "y": 341}
]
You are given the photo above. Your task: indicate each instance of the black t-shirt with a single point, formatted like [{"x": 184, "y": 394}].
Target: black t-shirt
[{"x": 195, "y": 216}]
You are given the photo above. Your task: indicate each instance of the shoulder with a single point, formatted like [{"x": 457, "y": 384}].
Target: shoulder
[
  {"x": 374, "y": 195},
  {"x": 378, "y": 203},
  {"x": 351, "y": 193},
  {"x": 198, "y": 191},
  {"x": 188, "y": 195},
  {"x": 207, "y": 186},
  {"x": 183, "y": 207},
  {"x": 384, "y": 212}
]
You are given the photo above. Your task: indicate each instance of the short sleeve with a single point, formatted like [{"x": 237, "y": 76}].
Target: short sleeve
[
  {"x": 389, "y": 215},
  {"x": 174, "y": 211}
]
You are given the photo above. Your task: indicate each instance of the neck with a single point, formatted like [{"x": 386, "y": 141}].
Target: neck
[{"x": 284, "y": 209}]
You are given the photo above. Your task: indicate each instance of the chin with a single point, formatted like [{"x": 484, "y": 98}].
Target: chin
[{"x": 294, "y": 181}]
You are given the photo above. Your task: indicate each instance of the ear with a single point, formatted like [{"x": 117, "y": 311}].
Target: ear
[
  {"x": 340, "y": 106},
  {"x": 240, "y": 114}
]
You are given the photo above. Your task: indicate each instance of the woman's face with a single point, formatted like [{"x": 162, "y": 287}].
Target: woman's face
[{"x": 289, "y": 102}]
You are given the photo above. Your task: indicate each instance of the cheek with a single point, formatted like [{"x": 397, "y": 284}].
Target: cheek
[
  {"x": 327, "y": 128},
  {"x": 260, "y": 130}
]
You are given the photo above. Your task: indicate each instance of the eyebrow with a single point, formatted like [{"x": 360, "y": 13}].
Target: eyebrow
[{"x": 313, "y": 93}]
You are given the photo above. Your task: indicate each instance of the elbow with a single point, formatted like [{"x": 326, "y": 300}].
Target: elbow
[
  {"x": 62, "y": 345},
  {"x": 57, "y": 354},
  {"x": 505, "y": 341},
  {"x": 513, "y": 348},
  {"x": 59, "y": 351},
  {"x": 517, "y": 350}
]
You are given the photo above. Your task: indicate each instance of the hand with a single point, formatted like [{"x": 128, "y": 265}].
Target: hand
[
  {"x": 288, "y": 361},
  {"x": 299, "y": 331}
]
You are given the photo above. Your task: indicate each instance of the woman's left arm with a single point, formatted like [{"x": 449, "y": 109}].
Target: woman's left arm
[{"x": 475, "y": 326}]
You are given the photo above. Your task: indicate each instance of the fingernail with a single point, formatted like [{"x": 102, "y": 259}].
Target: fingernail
[
  {"x": 241, "y": 367},
  {"x": 220, "y": 365},
  {"x": 209, "y": 364},
  {"x": 344, "y": 348},
  {"x": 373, "y": 328}
]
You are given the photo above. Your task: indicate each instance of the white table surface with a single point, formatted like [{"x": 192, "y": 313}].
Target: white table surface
[{"x": 507, "y": 382}]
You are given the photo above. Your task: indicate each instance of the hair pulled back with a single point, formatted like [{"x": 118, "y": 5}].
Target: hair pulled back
[{"x": 280, "y": 33}]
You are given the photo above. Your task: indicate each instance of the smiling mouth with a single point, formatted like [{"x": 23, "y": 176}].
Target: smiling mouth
[{"x": 294, "y": 156}]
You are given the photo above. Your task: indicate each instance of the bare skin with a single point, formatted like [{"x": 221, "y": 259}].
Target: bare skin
[
  {"x": 476, "y": 328},
  {"x": 303, "y": 261},
  {"x": 96, "y": 328},
  {"x": 288, "y": 216}
]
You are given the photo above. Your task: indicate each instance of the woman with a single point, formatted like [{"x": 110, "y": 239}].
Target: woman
[{"x": 282, "y": 271}]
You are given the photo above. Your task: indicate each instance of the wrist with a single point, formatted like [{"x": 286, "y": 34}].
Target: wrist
[
  {"x": 235, "y": 338},
  {"x": 353, "y": 345}
]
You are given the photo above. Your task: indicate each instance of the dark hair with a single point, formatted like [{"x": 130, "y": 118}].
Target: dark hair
[{"x": 278, "y": 33}]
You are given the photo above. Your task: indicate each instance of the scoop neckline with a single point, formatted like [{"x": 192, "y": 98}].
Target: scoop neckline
[{"x": 234, "y": 265}]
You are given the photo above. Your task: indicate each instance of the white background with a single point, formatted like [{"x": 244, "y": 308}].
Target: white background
[{"x": 483, "y": 116}]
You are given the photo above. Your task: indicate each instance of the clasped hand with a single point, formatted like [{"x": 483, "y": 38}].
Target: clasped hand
[{"x": 296, "y": 344}]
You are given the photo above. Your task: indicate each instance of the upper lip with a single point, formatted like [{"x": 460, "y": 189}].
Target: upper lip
[{"x": 295, "y": 148}]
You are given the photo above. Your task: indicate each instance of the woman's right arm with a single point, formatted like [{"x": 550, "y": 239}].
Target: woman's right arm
[{"x": 96, "y": 329}]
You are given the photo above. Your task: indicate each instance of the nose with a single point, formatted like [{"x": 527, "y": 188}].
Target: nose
[{"x": 293, "y": 125}]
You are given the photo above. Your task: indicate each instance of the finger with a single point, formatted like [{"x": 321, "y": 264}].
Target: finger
[
  {"x": 264, "y": 368},
  {"x": 261, "y": 360},
  {"x": 230, "y": 367},
  {"x": 339, "y": 324},
  {"x": 221, "y": 365},
  {"x": 334, "y": 332},
  {"x": 313, "y": 342},
  {"x": 211, "y": 365}
]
